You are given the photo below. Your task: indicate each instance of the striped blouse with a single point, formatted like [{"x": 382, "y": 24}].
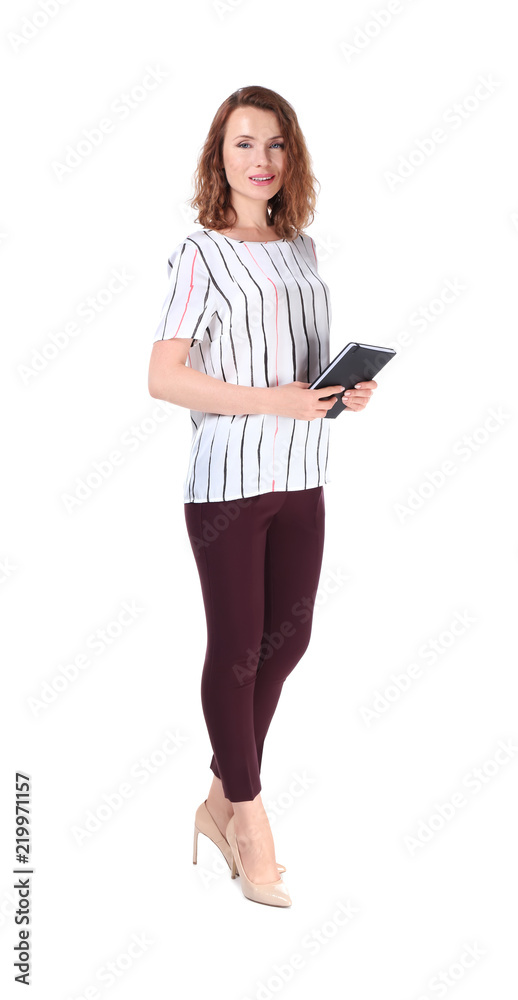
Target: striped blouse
[{"x": 257, "y": 314}]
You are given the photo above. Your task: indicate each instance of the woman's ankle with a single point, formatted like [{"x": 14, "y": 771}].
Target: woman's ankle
[
  {"x": 216, "y": 797},
  {"x": 250, "y": 818}
]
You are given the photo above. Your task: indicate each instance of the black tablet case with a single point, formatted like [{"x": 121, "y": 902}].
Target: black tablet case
[{"x": 360, "y": 363}]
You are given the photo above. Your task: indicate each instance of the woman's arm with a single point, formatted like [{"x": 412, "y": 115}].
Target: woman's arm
[{"x": 171, "y": 379}]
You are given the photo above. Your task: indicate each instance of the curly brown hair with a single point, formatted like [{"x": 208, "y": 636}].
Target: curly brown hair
[{"x": 293, "y": 206}]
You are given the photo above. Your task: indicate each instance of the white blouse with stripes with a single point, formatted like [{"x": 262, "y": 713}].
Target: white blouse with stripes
[{"x": 257, "y": 314}]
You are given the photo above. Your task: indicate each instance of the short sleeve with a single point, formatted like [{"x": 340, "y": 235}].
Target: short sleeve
[{"x": 188, "y": 306}]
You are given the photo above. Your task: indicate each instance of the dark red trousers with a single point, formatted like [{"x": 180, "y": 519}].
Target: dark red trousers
[{"x": 259, "y": 562}]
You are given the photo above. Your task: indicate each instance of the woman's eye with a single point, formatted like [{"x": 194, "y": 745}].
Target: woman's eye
[{"x": 240, "y": 144}]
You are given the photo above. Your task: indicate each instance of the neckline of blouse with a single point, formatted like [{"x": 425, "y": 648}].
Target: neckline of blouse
[{"x": 253, "y": 242}]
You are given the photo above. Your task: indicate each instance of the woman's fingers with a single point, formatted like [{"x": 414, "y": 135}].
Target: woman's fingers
[{"x": 357, "y": 399}]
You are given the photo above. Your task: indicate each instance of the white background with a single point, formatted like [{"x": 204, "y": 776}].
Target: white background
[{"x": 394, "y": 577}]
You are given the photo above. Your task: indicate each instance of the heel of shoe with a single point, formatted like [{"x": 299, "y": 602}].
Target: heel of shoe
[
  {"x": 233, "y": 869},
  {"x": 204, "y": 823},
  {"x": 195, "y": 846}
]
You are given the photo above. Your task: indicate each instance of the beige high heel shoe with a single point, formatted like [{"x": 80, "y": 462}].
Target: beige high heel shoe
[
  {"x": 204, "y": 823},
  {"x": 273, "y": 893}
]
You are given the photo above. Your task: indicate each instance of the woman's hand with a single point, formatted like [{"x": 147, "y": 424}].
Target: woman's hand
[
  {"x": 357, "y": 398},
  {"x": 297, "y": 400}
]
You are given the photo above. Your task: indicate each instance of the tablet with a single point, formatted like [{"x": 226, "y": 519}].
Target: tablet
[{"x": 356, "y": 363}]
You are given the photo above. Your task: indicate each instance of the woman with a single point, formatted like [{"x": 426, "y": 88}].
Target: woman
[{"x": 248, "y": 311}]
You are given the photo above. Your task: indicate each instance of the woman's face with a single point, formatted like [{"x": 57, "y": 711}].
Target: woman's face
[{"x": 253, "y": 145}]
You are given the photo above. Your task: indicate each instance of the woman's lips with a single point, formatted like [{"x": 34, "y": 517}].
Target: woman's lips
[{"x": 263, "y": 183}]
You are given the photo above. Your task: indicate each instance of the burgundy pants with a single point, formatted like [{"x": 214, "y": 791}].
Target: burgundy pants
[{"x": 259, "y": 562}]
